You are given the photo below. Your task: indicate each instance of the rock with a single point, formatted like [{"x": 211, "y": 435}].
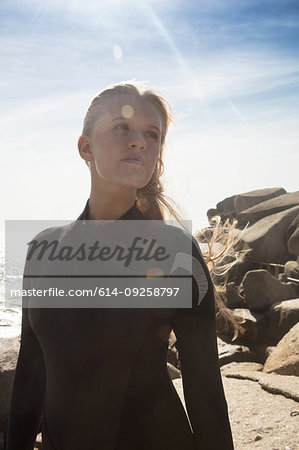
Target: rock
[
  {"x": 226, "y": 205},
  {"x": 286, "y": 385},
  {"x": 269, "y": 350},
  {"x": 238, "y": 270},
  {"x": 172, "y": 353},
  {"x": 254, "y": 329},
  {"x": 9, "y": 350},
  {"x": 291, "y": 269},
  {"x": 284, "y": 359},
  {"x": 268, "y": 207},
  {"x": 211, "y": 213},
  {"x": 243, "y": 370},
  {"x": 261, "y": 290},
  {"x": 230, "y": 206},
  {"x": 261, "y": 352},
  {"x": 282, "y": 317},
  {"x": 252, "y": 198},
  {"x": 233, "y": 298},
  {"x": 294, "y": 225},
  {"x": 228, "y": 353},
  {"x": 205, "y": 234},
  {"x": 173, "y": 372},
  {"x": 267, "y": 237},
  {"x": 171, "y": 339},
  {"x": 258, "y": 437},
  {"x": 293, "y": 237}
]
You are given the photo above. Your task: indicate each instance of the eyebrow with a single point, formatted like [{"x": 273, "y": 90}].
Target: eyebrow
[{"x": 124, "y": 118}]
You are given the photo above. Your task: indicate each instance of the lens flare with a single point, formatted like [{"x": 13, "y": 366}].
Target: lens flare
[{"x": 127, "y": 111}]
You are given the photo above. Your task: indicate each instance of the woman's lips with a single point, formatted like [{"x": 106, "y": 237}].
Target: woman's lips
[{"x": 133, "y": 161}]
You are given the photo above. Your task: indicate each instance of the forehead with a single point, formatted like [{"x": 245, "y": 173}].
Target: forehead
[{"x": 129, "y": 106}]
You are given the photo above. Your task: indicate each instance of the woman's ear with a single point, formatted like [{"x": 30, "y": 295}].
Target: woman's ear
[{"x": 84, "y": 148}]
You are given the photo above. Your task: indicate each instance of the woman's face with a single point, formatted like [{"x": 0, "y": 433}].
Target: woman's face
[{"x": 126, "y": 141}]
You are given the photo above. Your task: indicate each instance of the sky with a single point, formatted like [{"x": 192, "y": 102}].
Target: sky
[{"x": 230, "y": 70}]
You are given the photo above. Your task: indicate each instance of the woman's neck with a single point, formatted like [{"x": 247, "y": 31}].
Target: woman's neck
[{"x": 105, "y": 207}]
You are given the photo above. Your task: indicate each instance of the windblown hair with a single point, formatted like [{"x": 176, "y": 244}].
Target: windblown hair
[
  {"x": 221, "y": 255},
  {"x": 151, "y": 199}
]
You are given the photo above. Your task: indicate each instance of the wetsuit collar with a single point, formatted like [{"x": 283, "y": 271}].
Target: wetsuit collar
[{"x": 132, "y": 214}]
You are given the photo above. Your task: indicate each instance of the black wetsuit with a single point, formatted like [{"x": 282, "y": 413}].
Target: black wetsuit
[{"x": 98, "y": 378}]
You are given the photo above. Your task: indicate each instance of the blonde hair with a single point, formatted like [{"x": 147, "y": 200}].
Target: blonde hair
[
  {"x": 151, "y": 199},
  {"x": 221, "y": 255}
]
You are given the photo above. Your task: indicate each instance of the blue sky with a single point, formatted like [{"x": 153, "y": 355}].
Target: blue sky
[{"x": 230, "y": 70}]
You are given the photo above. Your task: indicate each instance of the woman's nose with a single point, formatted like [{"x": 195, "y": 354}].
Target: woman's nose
[{"x": 137, "y": 140}]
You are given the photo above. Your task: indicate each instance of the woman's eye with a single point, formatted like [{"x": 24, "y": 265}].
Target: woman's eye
[
  {"x": 122, "y": 126},
  {"x": 152, "y": 134}
]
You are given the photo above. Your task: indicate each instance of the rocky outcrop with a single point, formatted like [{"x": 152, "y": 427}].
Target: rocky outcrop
[
  {"x": 260, "y": 290},
  {"x": 233, "y": 297},
  {"x": 253, "y": 326},
  {"x": 284, "y": 359},
  {"x": 229, "y": 207},
  {"x": 267, "y": 208},
  {"x": 267, "y": 238},
  {"x": 293, "y": 237},
  {"x": 229, "y": 352},
  {"x": 288, "y": 386},
  {"x": 247, "y": 200},
  {"x": 291, "y": 269},
  {"x": 282, "y": 317}
]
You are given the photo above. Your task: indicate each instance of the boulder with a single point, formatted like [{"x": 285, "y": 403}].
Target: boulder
[
  {"x": 294, "y": 225},
  {"x": 282, "y": 317},
  {"x": 267, "y": 237},
  {"x": 286, "y": 385},
  {"x": 291, "y": 269},
  {"x": 261, "y": 290},
  {"x": 243, "y": 370},
  {"x": 238, "y": 270},
  {"x": 268, "y": 207},
  {"x": 284, "y": 359},
  {"x": 233, "y": 298},
  {"x": 9, "y": 350},
  {"x": 252, "y": 198},
  {"x": 293, "y": 237},
  {"x": 229, "y": 353},
  {"x": 261, "y": 352},
  {"x": 211, "y": 213},
  {"x": 226, "y": 205},
  {"x": 253, "y": 327}
]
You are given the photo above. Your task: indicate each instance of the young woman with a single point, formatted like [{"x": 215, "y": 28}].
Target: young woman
[{"x": 97, "y": 378}]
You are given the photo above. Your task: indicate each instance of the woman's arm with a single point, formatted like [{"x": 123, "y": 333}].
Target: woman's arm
[
  {"x": 28, "y": 391},
  {"x": 195, "y": 331}
]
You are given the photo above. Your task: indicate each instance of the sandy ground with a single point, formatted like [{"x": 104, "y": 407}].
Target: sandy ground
[{"x": 259, "y": 420}]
